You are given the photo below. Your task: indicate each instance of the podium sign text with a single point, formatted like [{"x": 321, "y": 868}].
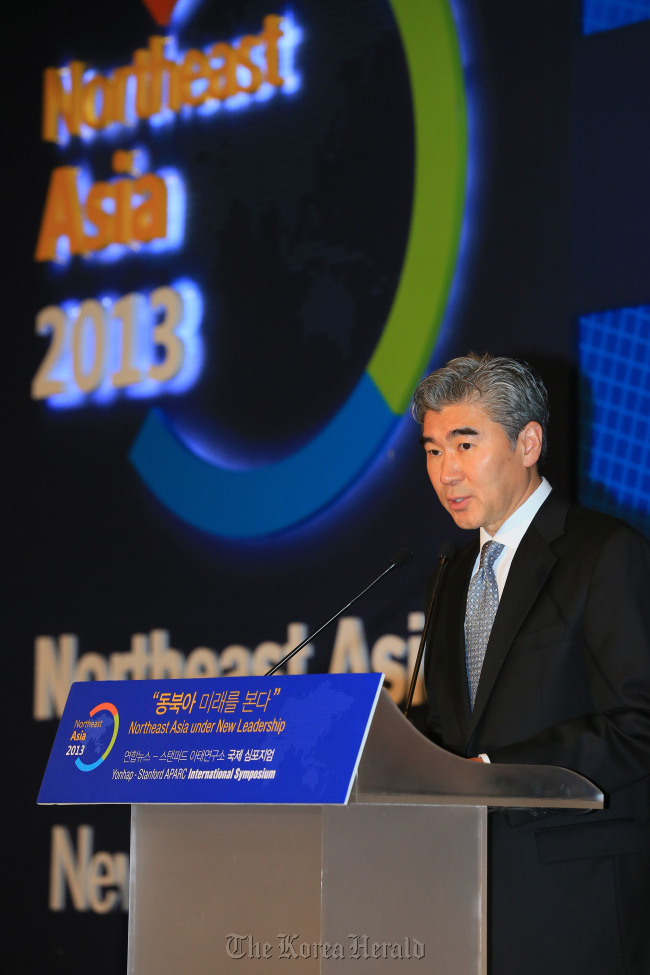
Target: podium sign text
[{"x": 212, "y": 740}]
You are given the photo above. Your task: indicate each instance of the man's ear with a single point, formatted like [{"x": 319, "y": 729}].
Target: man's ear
[{"x": 531, "y": 440}]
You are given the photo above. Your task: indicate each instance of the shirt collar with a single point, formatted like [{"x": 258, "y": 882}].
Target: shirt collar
[{"x": 515, "y": 527}]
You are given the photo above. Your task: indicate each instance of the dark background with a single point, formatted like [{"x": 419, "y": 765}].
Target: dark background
[{"x": 283, "y": 203}]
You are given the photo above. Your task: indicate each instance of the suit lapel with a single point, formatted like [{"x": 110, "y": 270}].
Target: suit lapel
[
  {"x": 530, "y": 568},
  {"x": 455, "y": 665}
]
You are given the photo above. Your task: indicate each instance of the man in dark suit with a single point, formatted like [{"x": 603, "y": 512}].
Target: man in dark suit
[{"x": 542, "y": 657}]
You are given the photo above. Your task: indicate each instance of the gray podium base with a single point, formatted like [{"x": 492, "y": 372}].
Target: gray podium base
[
  {"x": 365, "y": 887},
  {"x": 395, "y": 881}
]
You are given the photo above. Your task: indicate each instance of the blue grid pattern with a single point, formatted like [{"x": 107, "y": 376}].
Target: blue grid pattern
[
  {"x": 600, "y": 15},
  {"x": 614, "y": 359}
]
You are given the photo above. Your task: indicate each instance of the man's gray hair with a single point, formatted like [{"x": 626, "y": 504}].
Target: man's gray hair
[{"x": 511, "y": 392}]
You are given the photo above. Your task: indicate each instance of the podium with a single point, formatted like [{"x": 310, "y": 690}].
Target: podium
[{"x": 397, "y": 877}]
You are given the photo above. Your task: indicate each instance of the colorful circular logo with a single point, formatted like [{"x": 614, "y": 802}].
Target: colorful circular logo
[
  {"x": 261, "y": 501},
  {"x": 83, "y": 766}
]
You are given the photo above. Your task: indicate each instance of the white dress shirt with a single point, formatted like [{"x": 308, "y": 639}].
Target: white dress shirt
[{"x": 511, "y": 533}]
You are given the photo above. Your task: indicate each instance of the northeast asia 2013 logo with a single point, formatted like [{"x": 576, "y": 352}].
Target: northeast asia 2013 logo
[
  {"x": 89, "y": 736},
  {"x": 156, "y": 345}
]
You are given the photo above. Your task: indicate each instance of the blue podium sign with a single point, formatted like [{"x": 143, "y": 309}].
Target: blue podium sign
[{"x": 291, "y": 740}]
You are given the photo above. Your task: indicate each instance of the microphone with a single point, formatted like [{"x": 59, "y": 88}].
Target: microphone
[
  {"x": 446, "y": 554},
  {"x": 399, "y": 559}
]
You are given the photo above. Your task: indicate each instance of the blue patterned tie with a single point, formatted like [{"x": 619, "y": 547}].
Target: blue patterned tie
[{"x": 482, "y": 605}]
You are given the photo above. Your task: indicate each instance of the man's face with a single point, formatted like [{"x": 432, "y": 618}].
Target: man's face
[{"x": 478, "y": 476}]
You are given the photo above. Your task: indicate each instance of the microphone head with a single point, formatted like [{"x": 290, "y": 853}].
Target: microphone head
[
  {"x": 447, "y": 551},
  {"x": 404, "y": 555}
]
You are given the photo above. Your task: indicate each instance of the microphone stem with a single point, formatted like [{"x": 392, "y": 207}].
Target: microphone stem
[
  {"x": 311, "y": 636},
  {"x": 425, "y": 633}
]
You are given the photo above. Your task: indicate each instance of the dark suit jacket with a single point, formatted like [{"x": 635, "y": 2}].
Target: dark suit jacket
[{"x": 565, "y": 681}]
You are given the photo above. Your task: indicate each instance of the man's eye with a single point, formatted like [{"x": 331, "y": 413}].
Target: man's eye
[
  {"x": 464, "y": 446},
  {"x": 432, "y": 452}
]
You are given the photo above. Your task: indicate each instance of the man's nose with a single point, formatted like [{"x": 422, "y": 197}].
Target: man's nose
[{"x": 449, "y": 471}]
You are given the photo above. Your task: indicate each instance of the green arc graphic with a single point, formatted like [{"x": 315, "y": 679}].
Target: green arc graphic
[
  {"x": 431, "y": 46},
  {"x": 261, "y": 501}
]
